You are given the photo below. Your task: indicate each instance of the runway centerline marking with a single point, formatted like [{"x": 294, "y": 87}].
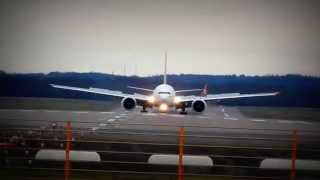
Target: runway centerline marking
[
  {"x": 26, "y": 110},
  {"x": 304, "y": 122},
  {"x": 259, "y": 120},
  {"x": 285, "y": 121},
  {"x": 175, "y": 115},
  {"x": 51, "y": 111},
  {"x": 102, "y": 124},
  {"x": 80, "y": 112},
  {"x": 231, "y": 118},
  {"x": 150, "y": 114},
  {"x": 111, "y": 120},
  {"x": 107, "y": 112},
  {"x": 203, "y": 117},
  {"x": 94, "y": 128}
]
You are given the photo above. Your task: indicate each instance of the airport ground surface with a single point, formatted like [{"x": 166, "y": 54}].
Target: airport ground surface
[{"x": 126, "y": 139}]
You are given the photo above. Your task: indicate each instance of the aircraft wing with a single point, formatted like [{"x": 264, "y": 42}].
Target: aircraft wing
[
  {"x": 224, "y": 96},
  {"x": 103, "y": 92}
]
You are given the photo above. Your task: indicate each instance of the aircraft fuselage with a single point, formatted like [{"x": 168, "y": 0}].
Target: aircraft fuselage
[{"x": 164, "y": 94}]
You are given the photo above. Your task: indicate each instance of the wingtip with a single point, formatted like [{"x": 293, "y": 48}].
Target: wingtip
[{"x": 277, "y": 93}]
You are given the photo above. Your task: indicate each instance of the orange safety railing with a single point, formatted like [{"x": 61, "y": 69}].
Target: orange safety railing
[
  {"x": 67, "y": 164},
  {"x": 180, "y": 174}
]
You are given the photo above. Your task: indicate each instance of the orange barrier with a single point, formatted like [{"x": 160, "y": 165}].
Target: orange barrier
[
  {"x": 67, "y": 164},
  {"x": 294, "y": 154},
  {"x": 180, "y": 174}
]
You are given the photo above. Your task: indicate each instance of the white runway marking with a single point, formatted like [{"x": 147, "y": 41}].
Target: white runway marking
[
  {"x": 80, "y": 112},
  {"x": 26, "y": 110},
  {"x": 285, "y": 121},
  {"x": 226, "y": 115},
  {"x": 123, "y": 114},
  {"x": 203, "y": 117},
  {"x": 51, "y": 111},
  {"x": 150, "y": 114},
  {"x": 258, "y": 120},
  {"x": 117, "y": 117},
  {"x": 230, "y": 118},
  {"x": 102, "y": 124},
  {"x": 176, "y": 115},
  {"x": 304, "y": 122},
  {"x": 94, "y": 128},
  {"x": 111, "y": 120},
  {"x": 107, "y": 112},
  {"x": 222, "y": 109}
]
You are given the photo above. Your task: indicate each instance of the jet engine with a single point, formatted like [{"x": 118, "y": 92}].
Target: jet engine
[
  {"x": 128, "y": 103},
  {"x": 199, "y": 105}
]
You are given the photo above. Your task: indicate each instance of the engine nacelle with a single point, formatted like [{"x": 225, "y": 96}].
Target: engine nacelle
[
  {"x": 128, "y": 103},
  {"x": 199, "y": 105}
]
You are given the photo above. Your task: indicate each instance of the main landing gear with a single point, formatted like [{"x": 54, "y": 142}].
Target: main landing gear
[
  {"x": 183, "y": 109},
  {"x": 144, "y": 109}
]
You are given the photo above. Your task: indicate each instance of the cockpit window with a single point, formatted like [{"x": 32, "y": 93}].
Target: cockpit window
[{"x": 164, "y": 93}]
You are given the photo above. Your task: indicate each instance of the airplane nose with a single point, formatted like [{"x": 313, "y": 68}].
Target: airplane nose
[{"x": 164, "y": 96}]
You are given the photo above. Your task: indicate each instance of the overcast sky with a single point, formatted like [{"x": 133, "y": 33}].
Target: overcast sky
[{"x": 254, "y": 37}]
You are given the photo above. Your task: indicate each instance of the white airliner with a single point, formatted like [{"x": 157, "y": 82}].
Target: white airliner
[{"x": 164, "y": 97}]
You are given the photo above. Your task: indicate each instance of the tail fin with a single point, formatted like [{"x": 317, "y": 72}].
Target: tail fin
[
  {"x": 165, "y": 69},
  {"x": 205, "y": 90}
]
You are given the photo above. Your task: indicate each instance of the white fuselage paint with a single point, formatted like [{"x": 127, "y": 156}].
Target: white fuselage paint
[{"x": 164, "y": 94}]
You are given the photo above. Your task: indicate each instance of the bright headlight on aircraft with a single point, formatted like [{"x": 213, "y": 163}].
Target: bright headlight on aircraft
[
  {"x": 177, "y": 100},
  {"x": 163, "y": 107},
  {"x": 151, "y": 99}
]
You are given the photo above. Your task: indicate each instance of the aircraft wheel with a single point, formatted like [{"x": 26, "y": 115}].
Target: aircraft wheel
[
  {"x": 144, "y": 110},
  {"x": 183, "y": 112}
]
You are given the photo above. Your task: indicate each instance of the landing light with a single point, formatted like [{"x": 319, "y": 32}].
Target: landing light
[
  {"x": 163, "y": 107},
  {"x": 177, "y": 100},
  {"x": 151, "y": 99}
]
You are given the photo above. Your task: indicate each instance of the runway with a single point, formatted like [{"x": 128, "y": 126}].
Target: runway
[
  {"x": 222, "y": 133},
  {"x": 217, "y": 121},
  {"x": 214, "y": 116}
]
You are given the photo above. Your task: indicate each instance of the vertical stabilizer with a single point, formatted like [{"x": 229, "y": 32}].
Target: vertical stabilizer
[
  {"x": 204, "y": 91},
  {"x": 165, "y": 69}
]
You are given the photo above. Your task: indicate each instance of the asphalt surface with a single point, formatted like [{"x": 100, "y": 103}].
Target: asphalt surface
[
  {"x": 217, "y": 126},
  {"x": 222, "y": 133}
]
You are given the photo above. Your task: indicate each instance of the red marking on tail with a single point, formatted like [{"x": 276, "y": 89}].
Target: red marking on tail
[{"x": 205, "y": 90}]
